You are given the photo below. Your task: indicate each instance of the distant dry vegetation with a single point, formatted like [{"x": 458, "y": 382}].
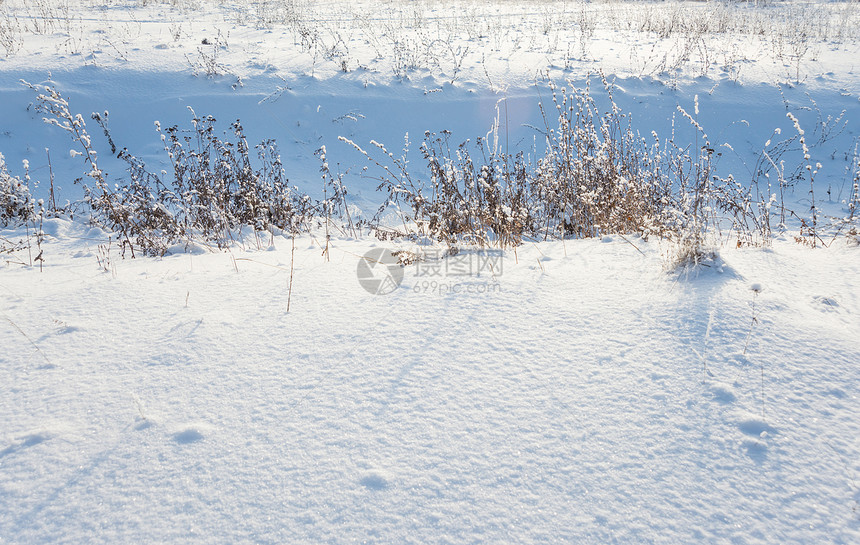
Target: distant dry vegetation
[{"x": 398, "y": 38}]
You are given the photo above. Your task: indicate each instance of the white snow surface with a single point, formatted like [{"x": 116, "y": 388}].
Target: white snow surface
[
  {"x": 581, "y": 395},
  {"x": 578, "y": 392}
]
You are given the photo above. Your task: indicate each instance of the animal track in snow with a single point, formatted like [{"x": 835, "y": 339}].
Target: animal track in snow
[
  {"x": 723, "y": 392},
  {"x": 755, "y": 426},
  {"x": 374, "y": 480},
  {"x": 24, "y": 442},
  {"x": 190, "y": 434},
  {"x": 826, "y": 304}
]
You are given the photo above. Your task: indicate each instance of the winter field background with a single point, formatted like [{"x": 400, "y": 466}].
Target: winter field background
[{"x": 625, "y": 310}]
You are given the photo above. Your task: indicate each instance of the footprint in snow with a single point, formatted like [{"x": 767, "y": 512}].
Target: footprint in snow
[
  {"x": 188, "y": 435},
  {"x": 826, "y": 304},
  {"x": 374, "y": 480},
  {"x": 64, "y": 328},
  {"x": 755, "y": 426},
  {"x": 722, "y": 392},
  {"x": 24, "y": 442},
  {"x": 756, "y": 449}
]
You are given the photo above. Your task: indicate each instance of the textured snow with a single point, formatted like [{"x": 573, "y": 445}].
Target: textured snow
[
  {"x": 579, "y": 393},
  {"x": 591, "y": 397}
]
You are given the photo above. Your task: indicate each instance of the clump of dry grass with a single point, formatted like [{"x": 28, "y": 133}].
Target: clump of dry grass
[
  {"x": 212, "y": 193},
  {"x": 16, "y": 203},
  {"x": 19, "y": 208},
  {"x": 597, "y": 176}
]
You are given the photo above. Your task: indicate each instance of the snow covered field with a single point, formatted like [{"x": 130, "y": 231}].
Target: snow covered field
[{"x": 576, "y": 390}]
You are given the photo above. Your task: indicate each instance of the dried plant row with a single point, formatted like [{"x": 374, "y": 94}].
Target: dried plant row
[{"x": 595, "y": 176}]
